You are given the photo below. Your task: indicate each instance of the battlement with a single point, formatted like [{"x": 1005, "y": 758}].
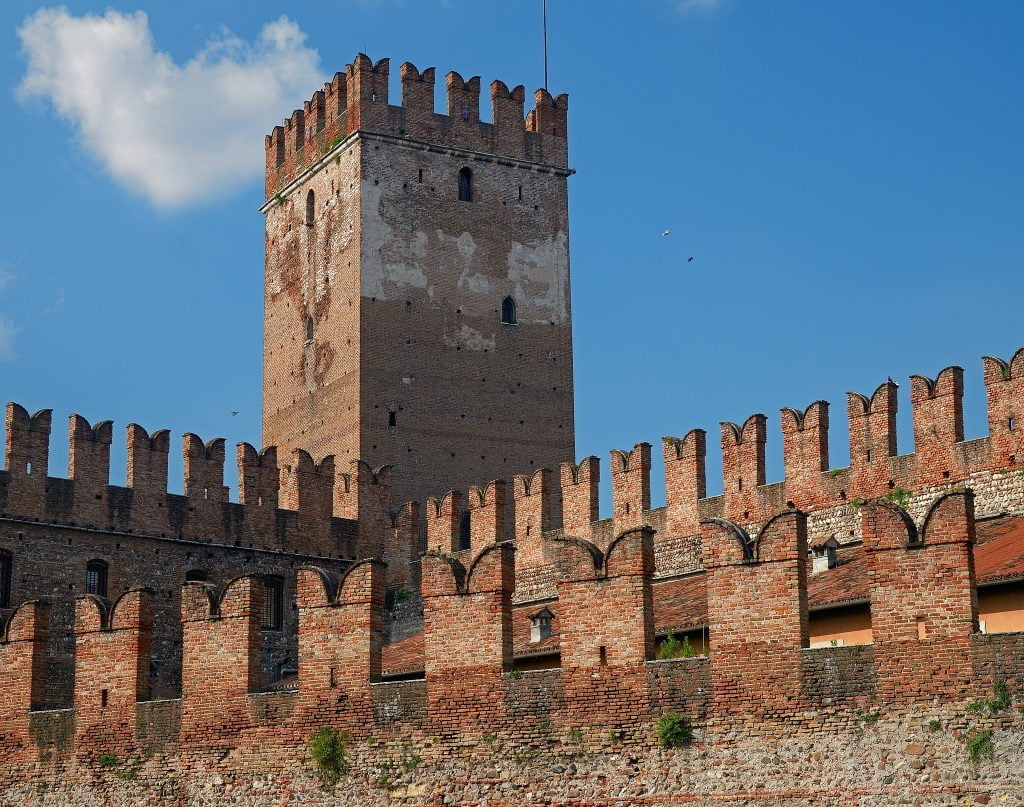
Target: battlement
[
  {"x": 356, "y": 101},
  {"x": 304, "y": 506},
  {"x": 759, "y": 680}
]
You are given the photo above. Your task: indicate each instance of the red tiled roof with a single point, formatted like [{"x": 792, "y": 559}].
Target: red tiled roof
[
  {"x": 681, "y": 604},
  {"x": 999, "y": 553}
]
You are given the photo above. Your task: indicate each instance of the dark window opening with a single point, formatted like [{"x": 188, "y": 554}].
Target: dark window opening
[
  {"x": 392, "y": 418},
  {"x": 421, "y": 175},
  {"x": 1011, "y": 422},
  {"x": 104, "y": 695},
  {"x": 195, "y": 576},
  {"x": 96, "y": 578},
  {"x": 869, "y": 455},
  {"x": 464, "y": 534},
  {"x": 602, "y": 653},
  {"x": 310, "y": 208},
  {"x": 6, "y": 563},
  {"x": 520, "y": 193},
  {"x": 309, "y": 329},
  {"x": 273, "y": 603},
  {"x": 508, "y": 312},
  {"x": 465, "y": 185}
]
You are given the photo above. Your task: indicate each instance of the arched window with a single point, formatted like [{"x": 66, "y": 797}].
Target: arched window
[
  {"x": 96, "y": 578},
  {"x": 310, "y": 208},
  {"x": 465, "y": 541},
  {"x": 195, "y": 576},
  {"x": 508, "y": 312},
  {"x": 309, "y": 329},
  {"x": 6, "y": 563},
  {"x": 465, "y": 185}
]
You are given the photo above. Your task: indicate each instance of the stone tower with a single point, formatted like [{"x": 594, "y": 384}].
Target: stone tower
[{"x": 417, "y": 281}]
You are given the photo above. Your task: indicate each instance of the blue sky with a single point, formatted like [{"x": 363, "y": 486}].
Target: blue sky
[{"x": 847, "y": 177}]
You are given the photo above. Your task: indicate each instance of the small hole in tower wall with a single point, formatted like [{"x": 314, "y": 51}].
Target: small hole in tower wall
[
  {"x": 103, "y": 698},
  {"x": 868, "y": 455},
  {"x": 602, "y": 654},
  {"x": 1011, "y": 423}
]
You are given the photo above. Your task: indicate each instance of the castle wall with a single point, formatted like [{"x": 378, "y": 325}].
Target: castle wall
[{"x": 770, "y": 721}]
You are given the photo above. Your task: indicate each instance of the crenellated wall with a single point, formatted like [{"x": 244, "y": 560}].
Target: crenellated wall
[
  {"x": 302, "y": 506},
  {"x": 357, "y": 101},
  {"x": 890, "y": 723}
]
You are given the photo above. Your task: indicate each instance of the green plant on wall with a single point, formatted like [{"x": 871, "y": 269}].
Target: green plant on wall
[
  {"x": 328, "y": 748},
  {"x": 1000, "y": 701},
  {"x": 899, "y": 496},
  {"x": 675, "y": 648},
  {"x": 673, "y": 730},
  {"x": 979, "y": 746},
  {"x": 108, "y": 760}
]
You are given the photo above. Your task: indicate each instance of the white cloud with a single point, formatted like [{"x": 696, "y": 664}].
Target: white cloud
[
  {"x": 8, "y": 330},
  {"x": 699, "y": 6},
  {"x": 173, "y": 133}
]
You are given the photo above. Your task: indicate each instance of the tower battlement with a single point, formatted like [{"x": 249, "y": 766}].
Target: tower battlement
[{"x": 357, "y": 101}]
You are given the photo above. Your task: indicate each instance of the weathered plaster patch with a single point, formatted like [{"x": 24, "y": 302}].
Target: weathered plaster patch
[
  {"x": 541, "y": 274},
  {"x": 470, "y": 338}
]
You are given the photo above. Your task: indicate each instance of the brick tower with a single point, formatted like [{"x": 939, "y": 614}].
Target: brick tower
[{"x": 417, "y": 281}]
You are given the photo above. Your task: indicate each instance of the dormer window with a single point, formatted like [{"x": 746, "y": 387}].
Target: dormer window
[
  {"x": 824, "y": 556},
  {"x": 540, "y": 625}
]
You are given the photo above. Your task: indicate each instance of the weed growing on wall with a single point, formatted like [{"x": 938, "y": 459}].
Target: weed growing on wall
[
  {"x": 899, "y": 496},
  {"x": 979, "y": 746},
  {"x": 673, "y": 731},
  {"x": 999, "y": 702},
  {"x": 328, "y": 748}
]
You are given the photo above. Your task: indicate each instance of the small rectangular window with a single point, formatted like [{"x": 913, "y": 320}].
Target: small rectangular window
[
  {"x": 96, "y": 578},
  {"x": 273, "y": 603},
  {"x": 392, "y": 418}
]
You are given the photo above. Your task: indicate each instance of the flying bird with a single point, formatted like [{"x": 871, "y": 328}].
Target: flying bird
[
  {"x": 690, "y": 259},
  {"x": 235, "y": 412},
  {"x": 665, "y": 233}
]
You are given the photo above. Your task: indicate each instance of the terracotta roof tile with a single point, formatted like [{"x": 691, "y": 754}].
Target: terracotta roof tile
[{"x": 999, "y": 554}]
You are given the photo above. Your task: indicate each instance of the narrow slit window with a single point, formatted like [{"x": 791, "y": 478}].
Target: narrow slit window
[
  {"x": 273, "y": 603},
  {"x": 309, "y": 329},
  {"x": 508, "y": 312},
  {"x": 465, "y": 185},
  {"x": 310, "y": 208},
  {"x": 465, "y": 541},
  {"x": 6, "y": 565},
  {"x": 392, "y": 418},
  {"x": 1011, "y": 423},
  {"x": 96, "y": 578}
]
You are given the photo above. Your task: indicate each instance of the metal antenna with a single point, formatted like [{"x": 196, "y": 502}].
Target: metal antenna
[{"x": 544, "y": 17}]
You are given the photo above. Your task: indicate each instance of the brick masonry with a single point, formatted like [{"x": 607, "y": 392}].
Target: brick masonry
[{"x": 168, "y": 692}]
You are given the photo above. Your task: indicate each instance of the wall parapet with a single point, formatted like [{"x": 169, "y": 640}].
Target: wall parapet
[{"x": 356, "y": 100}]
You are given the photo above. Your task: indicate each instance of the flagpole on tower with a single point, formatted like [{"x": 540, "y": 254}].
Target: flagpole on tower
[{"x": 544, "y": 18}]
